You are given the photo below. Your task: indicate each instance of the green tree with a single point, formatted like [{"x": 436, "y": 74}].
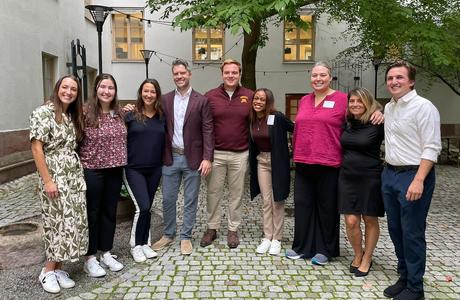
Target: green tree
[
  {"x": 249, "y": 16},
  {"x": 423, "y": 32}
]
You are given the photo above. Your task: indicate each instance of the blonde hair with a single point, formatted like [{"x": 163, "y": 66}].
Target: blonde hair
[
  {"x": 370, "y": 104},
  {"x": 323, "y": 64},
  {"x": 230, "y": 61}
]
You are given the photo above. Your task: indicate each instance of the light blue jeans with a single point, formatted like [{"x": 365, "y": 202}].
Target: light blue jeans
[{"x": 172, "y": 177}]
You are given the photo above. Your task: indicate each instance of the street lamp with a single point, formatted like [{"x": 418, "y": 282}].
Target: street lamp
[
  {"x": 146, "y": 54},
  {"x": 99, "y": 14},
  {"x": 376, "y": 62}
]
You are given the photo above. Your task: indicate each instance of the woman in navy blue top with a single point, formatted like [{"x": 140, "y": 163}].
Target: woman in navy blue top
[{"x": 146, "y": 136}]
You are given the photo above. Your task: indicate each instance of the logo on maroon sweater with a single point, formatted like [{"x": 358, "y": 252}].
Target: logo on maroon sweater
[{"x": 244, "y": 99}]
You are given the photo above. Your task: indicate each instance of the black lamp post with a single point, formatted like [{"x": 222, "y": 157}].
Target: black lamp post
[
  {"x": 146, "y": 54},
  {"x": 99, "y": 14},
  {"x": 376, "y": 62}
]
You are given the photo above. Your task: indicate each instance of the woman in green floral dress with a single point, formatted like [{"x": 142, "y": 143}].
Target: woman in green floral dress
[{"x": 55, "y": 129}]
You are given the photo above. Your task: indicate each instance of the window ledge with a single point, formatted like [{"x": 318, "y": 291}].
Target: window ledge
[
  {"x": 206, "y": 62},
  {"x": 290, "y": 62},
  {"x": 128, "y": 61}
]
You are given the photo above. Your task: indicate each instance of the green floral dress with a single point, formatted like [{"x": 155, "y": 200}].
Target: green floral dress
[{"x": 65, "y": 223}]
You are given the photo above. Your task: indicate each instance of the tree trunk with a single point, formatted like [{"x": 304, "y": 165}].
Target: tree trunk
[{"x": 249, "y": 55}]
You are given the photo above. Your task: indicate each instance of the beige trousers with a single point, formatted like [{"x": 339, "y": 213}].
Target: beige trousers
[
  {"x": 273, "y": 212},
  {"x": 232, "y": 165}
]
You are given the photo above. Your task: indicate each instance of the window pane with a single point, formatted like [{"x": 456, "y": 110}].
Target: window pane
[
  {"x": 305, "y": 52},
  {"x": 216, "y": 33},
  {"x": 290, "y": 52},
  {"x": 201, "y": 33},
  {"x": 290, "y": 36},
  {"x": 216, "y": 52},
  {"x": 121, "y": 36},
  {"x": 137, "y": 37},
  {"x": 201, "y": 52}
]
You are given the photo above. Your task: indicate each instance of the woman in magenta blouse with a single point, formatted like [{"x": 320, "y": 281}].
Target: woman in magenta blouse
[
  {"x": 103, "y": 154},
  {"x": 318, "y": 156}
]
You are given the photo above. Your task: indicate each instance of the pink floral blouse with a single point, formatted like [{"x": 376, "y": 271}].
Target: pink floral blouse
[{"x": 104, "y": 146}]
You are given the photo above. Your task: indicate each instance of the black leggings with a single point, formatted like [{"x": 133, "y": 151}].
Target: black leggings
[
  {"x": 102, "y": 195},
  {"x": 142, "y": 185}
]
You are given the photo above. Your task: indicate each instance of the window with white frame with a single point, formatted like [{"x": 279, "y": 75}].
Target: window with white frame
[
  {"x": 127, "y": 35},
  {"x": 208, "y": 44},
  {"x": 298, "y": 42}
]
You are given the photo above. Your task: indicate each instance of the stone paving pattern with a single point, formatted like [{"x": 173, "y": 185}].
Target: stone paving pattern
[{"x": 217, "y": 272}]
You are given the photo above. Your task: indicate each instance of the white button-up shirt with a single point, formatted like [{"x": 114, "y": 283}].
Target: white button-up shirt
[
  {"x": 180, "y": 108},
  {"x": 412, "y": 130}
]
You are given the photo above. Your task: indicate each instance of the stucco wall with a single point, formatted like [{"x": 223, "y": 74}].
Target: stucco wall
[{"x": 28, "y": 29}]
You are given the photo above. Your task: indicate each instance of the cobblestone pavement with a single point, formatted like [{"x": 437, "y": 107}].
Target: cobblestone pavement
[{"x": 217, "y": 272}]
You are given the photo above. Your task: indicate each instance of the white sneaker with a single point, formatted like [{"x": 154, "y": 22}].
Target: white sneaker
[
  {"x": 264, "y": 246},
  {"x": 138, "y": 254},
  {"x": 49, "y": 281},
  {"x": 108, "y": 260},
  {"x": 148, "y": 252},
  {"x": 64, "y": 279},
  {"x": 275, "y": 248},
  {"x": 93, "y": 268}
]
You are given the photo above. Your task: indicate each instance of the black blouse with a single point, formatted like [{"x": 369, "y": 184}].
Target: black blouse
[{"x": 361, "y": 145}]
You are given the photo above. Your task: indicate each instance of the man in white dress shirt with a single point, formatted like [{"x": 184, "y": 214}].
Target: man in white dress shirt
[{"x": 412, "y": 146}]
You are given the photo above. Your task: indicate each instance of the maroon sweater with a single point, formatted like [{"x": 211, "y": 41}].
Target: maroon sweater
[{"x": 231, "y": 118}]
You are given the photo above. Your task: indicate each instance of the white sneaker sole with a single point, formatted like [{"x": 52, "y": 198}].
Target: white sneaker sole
[
  {"x": 93, "y": 275},
  {"x": 111, "y": 269}
]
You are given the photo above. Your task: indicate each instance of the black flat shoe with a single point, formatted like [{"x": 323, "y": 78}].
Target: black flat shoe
[
  {"x": 353, "y": 269},
  {"x": 359, "y": 273}
]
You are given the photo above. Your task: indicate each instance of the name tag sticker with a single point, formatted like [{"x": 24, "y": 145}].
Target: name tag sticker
[
  {"x": 271, "y": 120},
  {"x": 328, "y": 104}
]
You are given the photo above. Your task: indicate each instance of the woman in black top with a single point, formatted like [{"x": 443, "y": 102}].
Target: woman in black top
[
  {"x": 359, "y": 178},
  {"x": 146, "y": 137},
  {"x": 269, "y": 165}
]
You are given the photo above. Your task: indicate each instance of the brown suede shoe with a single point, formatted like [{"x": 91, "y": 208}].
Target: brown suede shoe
[
  {"x": 232, "y": 239},
  {"x": 162, "y": 243},
  {"x": 209, "y": 236}
]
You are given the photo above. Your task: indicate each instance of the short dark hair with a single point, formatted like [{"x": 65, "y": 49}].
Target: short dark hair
[
  {"x": 411, "y": 71},
  {"x": 180, "y": 62}
]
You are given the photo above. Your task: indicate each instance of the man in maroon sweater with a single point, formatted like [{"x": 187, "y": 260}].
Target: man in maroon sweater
[{"x": 230, "y": 105}]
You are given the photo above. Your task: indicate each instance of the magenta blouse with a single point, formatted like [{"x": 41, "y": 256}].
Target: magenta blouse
[
  {"x": 104, "y": 146},
  {"x": 318, "y": 129}
]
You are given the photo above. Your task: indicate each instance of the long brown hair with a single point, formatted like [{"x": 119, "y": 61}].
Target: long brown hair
[
  {"x": 370, "y": 104},
  {"x": 140, "y": 103},
  {"x": 269, "y": 104},
  {"x": 75, "y": 109},
  {"x": 94, "y": 108}
]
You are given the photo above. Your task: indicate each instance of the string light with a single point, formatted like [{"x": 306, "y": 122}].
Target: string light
[{"x": 149, "y": 21}]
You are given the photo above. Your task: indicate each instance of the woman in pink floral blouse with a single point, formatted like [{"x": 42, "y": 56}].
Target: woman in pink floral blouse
[{"x": 103, "y": 154}]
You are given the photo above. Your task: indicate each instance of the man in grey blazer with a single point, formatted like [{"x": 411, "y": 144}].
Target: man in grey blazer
[{"x": 188, "y": 154}]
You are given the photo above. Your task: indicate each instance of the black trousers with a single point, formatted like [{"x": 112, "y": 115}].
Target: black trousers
[
  {"x": 142, "y": 185},
  {"x": 316, "y": 218},
  {"x": 102, "y": 195}
]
